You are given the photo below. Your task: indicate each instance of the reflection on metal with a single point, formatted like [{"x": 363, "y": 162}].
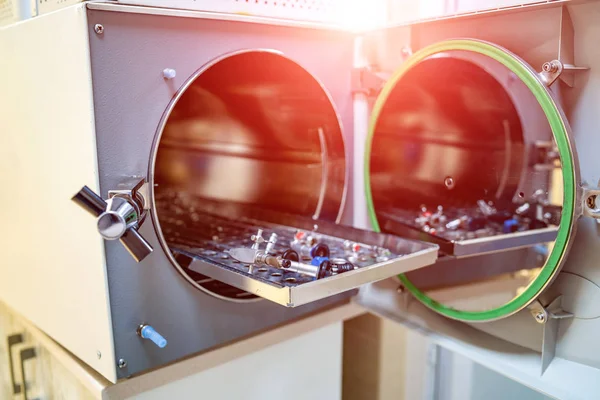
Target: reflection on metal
[
  {"x": 255, "y": 128},
  {"x": 549, "y": 316},
  {"x": 324, "y": 173},
  {"x": 119, "y": 217}
]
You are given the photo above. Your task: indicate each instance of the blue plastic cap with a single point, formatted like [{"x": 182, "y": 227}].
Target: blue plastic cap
[
  {"x": 510, "y": 225},
  {"x": 316, "y": 261},
  {"x": 149, "y": 333}
]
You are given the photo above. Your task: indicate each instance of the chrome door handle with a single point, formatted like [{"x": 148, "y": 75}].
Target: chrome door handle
[{"x": 118, "y": 217}]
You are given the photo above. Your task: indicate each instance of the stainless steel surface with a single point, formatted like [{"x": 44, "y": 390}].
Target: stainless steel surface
[
  {"x": 214, "y": 237},
  {"x": 119, "y": 217},
  {"x": 395, "y": 222},
  {"x": 121, "y": 8},
  {"x": 255, "y": 128},
  {"x": 447, "y": 117},
  {"x": 271, "y": 243},
  {"x": 549, "y": 316},
  {"x": 551, "y": 70},
  {"x": 130, "y": 98},
  {"x": 466, "y": 17}
]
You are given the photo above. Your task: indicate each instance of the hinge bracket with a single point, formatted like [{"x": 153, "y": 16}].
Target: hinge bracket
[{"x": 549, "y": 317}]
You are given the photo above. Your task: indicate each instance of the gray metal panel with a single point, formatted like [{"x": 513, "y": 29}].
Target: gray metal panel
[
  {"x": 577, "y": 338},
  {"x": 130, "y": 97}
]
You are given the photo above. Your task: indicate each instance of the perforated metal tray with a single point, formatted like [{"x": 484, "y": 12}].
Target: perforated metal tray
[
  {"x": 396, "y": 224},
  {"x": 205, "y": 237}
]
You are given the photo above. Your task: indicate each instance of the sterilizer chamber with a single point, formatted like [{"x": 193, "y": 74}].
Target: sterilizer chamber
[
  {"x": 469, "y": 148},
  {"x": 205, "y": 131},
  {"x": 252, "y": 129},
  {"x": 224, "y": 165},
  {"x": 253, "y": 143}
]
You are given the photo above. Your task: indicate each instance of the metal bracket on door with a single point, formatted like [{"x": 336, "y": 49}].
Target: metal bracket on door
[
  {"x": 368, "y": 81},
  {"x": 591, "y": 202},
  {"x": 564, "y": 66},
  {"x": 549, "y": 316},
  {"x": 554, "y": 69}
]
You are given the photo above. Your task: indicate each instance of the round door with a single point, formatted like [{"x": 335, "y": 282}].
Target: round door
[{"x": 469, "y": 148}]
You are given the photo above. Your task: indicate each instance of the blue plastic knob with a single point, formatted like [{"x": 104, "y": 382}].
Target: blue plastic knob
[{"x": 148, "y": 332}]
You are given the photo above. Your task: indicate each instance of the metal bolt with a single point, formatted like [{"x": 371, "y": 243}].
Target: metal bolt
[
  {"x": 540, "y": 317},
  {"x": 99, "y": 29},
  {"x": 122, "y": 363},
  {"x": 449, "y": 182},
  {"x": 99, "y": 354},
  {"x": 550, "y": 67},
  {"x": 591, "y": 202}
]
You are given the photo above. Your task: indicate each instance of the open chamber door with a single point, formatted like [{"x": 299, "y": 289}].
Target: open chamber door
[
  {"x": 469, "y": 149},
  {"x": 249, "y": 181}
]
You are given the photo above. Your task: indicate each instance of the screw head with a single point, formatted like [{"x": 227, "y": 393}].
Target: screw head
[
  {"x": 449, "y": 182},
  {"x": 591, "y": 202},
  {"x": 122, "y": 363},
  {"x": 99, "y": 354},
  {"x": 540, "y": 317},
  {"x": 550, "y": 66},
  {"x": 99, "y": 29}
]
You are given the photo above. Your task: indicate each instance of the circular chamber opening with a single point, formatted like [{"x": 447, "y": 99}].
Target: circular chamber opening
[
  {"x": 467, "y": 149},
  {"x": 251, "y": 132}
]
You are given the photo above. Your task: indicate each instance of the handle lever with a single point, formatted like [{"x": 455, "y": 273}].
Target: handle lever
[{"x": 117, "y": 218}]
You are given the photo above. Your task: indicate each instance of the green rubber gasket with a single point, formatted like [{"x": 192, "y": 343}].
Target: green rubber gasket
[{"x": 561, "y": 135}]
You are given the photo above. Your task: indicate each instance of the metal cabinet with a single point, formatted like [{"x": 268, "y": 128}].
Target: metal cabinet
[{"x": 243, "y": 113}]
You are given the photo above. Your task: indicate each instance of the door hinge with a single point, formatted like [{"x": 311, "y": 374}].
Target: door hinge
[
  {"x": 548, "y": 316},
  {"x": 554, "y": 69}
]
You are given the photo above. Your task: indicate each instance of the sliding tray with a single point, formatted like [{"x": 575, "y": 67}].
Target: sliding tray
[
  {"x": 399, "y": 223},
  {"x": 205, "y": 238}
]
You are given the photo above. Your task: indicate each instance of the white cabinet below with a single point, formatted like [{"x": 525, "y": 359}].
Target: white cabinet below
[{"x": 29, "y": 369}]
